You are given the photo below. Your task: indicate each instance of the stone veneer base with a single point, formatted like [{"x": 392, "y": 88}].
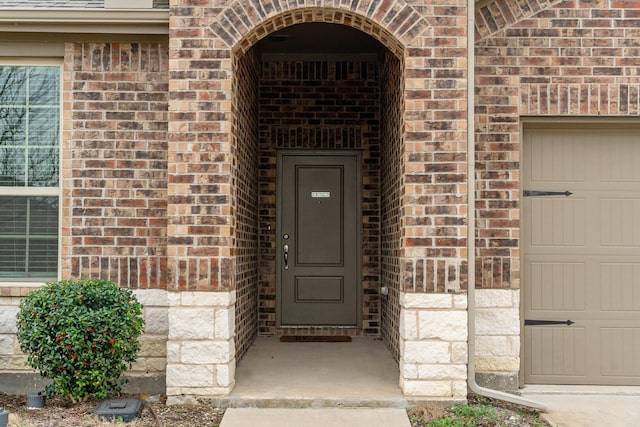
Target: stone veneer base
[
  {"x": 200, "y": 346},
  {"x": 433, "y": 346}
]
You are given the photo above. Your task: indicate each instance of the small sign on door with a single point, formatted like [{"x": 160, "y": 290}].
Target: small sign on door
[{"x": 320, "y": 194}]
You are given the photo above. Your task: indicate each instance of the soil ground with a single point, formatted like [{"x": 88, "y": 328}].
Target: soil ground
[{"x": 62, "y": 412}]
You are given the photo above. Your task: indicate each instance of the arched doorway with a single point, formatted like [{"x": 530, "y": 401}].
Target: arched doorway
[{"x": 309, "y": 100}]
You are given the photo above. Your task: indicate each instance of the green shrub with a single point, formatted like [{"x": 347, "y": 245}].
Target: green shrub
[{"x": 82, "y": 335}]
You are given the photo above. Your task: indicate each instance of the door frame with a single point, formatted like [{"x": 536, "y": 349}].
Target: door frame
[{"x": 317, "y": 153}]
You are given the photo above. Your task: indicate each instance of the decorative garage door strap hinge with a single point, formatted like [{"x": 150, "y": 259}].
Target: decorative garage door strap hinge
[
  {"x": 534, "y": 193},
  {"x": 528, "y": 322}
]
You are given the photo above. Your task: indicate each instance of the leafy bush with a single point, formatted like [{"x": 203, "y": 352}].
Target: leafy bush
[{"x": 82, "y": 335}]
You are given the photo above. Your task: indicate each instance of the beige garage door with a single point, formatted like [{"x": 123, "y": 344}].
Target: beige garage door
[{"x": 581, "y": 255}]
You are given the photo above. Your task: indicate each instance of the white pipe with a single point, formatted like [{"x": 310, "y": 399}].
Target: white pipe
[{"x": 471, "y": 227}]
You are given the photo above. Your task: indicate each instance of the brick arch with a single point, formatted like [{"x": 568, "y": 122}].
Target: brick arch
[{"x": 392, "y": 22}]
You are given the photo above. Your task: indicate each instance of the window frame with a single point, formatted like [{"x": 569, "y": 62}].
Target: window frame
[{"x": 28, "y": 191}]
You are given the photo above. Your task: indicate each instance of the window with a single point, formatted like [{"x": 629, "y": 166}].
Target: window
[{"x": 29, "y": 171}]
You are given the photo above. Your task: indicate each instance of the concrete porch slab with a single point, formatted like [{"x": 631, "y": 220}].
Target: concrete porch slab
[
  {"x": 277, "y": 417},
  {"x": 361, "y": 373}
]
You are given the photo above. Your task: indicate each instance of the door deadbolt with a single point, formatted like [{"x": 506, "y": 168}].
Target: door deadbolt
[{"x": 285, "y": 237}]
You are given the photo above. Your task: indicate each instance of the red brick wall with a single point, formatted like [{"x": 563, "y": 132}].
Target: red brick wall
[
  {"x": 245, "y": 142},
  {"x": 431, "y": 38},
  {"x": 114, "y": 173},
  {"x": 391, "y": 192},
  {"x": 573, "y": 58},
  {"x": 330, "y": 104}
]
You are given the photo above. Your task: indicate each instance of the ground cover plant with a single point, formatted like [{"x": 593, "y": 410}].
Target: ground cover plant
[
  {"x": 478, "y": 412},
  {"x": 81, "y": 335}
]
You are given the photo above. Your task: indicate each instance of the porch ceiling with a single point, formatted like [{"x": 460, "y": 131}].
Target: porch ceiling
[{"x": 319, "y": 38}]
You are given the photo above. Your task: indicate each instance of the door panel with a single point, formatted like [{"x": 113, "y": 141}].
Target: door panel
[
  {"x": 580, "y": 256},
  {"x": 318, "y": 240}
]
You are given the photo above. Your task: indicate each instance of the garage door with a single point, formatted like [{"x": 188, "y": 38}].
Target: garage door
[{"x": 581, "y": 255}]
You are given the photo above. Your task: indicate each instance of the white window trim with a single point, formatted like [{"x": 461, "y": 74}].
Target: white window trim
[{"x": 41, "y": 191}]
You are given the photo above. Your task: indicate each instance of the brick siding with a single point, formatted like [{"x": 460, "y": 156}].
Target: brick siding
[
  {"x": 391, "y": 192},
  {"x": 245, "y": 141},
  {"x": 573, "y": 58},
  {"x": 114, "y": 165}
]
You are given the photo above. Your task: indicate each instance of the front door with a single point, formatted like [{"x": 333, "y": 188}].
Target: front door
[{"x": 318, "y": 240}]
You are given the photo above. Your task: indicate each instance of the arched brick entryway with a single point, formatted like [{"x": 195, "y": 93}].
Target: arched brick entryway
[{"x": 216, "y": 229}]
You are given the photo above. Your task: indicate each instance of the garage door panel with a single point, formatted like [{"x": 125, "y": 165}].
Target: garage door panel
[
  {"x": 556, "y": 286},
  {"x": 620, "y": 159},
  {"x": 619, "y": 287},
  {"x": 567, "y": 164},
  {"x": 619, "y": 345},
  {"x": 557, "y": 221},
  {"x": 620, "y": 222},
  {"x": 558, "y": 351},
  {"x": 581, "y": 256}
]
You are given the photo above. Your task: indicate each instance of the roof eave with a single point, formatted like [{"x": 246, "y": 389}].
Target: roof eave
[{"x": 97, "y": 21}]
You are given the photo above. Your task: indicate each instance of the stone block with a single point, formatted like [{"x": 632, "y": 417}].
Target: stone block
[
  {"x": 225, "y": 374},
  {"x": 513, "y": 345},
  {"x": 209, "y": 299},
  {"x": 428, "y": 389},
  {"x": 16, "y": 363},
  {"x": 497, "y": 363},
  {"x": 460, "y": 301},
  {"x": 152, "y": 297},
  {"x": 173, "y": 352},
  {"x": 487, "y": 298},
  {"x": 491, "y": 345},
  {"x": 442, "y": 372},
  {"x": 174, "y": 299},
  {"x": 426, "y": 352},
  {"x": 156, "y": 320},
  {"x": 152, "y": 346},
  {"x": 498, "y": 321},
  {"x": 444, "y": 325},
  {"x": 426, "y": 300},
  {"x": 460, "y": 389},
  {"x": 156, "y": 364},
  {"x": 409, "y": 325},
  {"x": 185, "y": 323},
  {"x": 224, "y": 323},
  {"x": 206, "y": 352},
  {"x": 190, "y": 376},
  {"x": 9, "y": 301},
  {"x": 7, "y": 344},
  {"x": 140, "y": 365},
  {"x": 459, "y": 352},
  {"x": 8, "y": 319},
  {"x": 410, "y": 371}
]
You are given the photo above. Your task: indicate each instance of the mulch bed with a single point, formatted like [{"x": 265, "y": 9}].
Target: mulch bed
[{"x": 62, "y": 412}]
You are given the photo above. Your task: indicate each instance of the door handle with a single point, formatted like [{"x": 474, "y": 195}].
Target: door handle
[{"x": 286, "y": 256}]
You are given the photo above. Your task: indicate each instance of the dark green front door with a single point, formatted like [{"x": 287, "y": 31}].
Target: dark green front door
[{"x": 318, "y": 240}]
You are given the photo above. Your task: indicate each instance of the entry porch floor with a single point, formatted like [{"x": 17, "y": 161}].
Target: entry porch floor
[{"x": 361, "y": 373}]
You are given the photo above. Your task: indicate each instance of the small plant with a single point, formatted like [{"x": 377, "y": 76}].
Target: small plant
[
  {"x": 82, "y": 335},
  {"x": 463, "y": 415}
]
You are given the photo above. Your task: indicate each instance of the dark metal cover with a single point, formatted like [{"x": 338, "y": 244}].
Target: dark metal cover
[{"x": 127, "y": 409}]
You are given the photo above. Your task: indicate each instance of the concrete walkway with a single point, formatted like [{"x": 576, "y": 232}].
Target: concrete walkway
[
  {"x": 588, "y": 406},
  {"x": 311, "y": 417}
]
